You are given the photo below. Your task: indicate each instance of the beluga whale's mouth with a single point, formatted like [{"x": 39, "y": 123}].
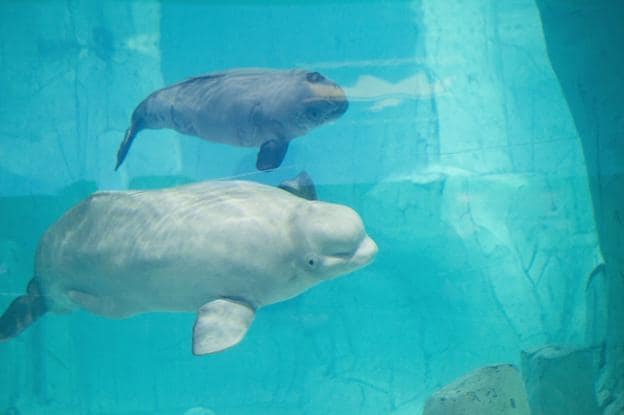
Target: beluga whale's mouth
[
  {"x": 346, "y": 261},
  {"x": 340, "y": 107},
  {"x": 365, "y": 253}
]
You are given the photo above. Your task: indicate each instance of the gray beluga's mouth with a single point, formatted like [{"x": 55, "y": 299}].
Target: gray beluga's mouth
[{"x": 340, "y": 107}]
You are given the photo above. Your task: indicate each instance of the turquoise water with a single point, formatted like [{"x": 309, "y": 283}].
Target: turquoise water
[{"x": 482, "y": 149}]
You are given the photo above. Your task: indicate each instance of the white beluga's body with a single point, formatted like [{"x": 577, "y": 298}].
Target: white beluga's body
[{"x": 219, "y": 248}]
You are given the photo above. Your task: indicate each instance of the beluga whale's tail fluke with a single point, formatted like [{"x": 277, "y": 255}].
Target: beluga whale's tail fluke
[{"x": 22, "y": 312}]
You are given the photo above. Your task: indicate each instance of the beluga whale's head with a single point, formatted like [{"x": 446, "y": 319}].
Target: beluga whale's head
[
  {"x": 312, "y": 100},
  {"x": 327, "y": 100},
  {"x": 331, "y": 241}
]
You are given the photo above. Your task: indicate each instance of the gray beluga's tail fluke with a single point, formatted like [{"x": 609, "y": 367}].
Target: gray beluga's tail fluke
[
  {"x": 126, "y": 143},
  {"x": 22, "y": 312}
]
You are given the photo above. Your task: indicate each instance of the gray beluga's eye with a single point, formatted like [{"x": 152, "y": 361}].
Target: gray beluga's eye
[
  {"x": 313, "y": 113},
  {"x": 314, "y": 77},
  {"x": 312, "y": 261}
]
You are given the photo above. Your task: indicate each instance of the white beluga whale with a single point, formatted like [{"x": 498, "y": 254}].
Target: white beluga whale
[
  {"x": 263, "y": 108},
  {"x": 221, "y": 249}
]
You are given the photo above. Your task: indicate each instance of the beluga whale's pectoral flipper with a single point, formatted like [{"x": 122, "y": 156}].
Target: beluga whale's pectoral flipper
[
  {"x": 220, "y": 325},
  {"x": 22, "y": 312},
  {"x": 271, "y": 154}
]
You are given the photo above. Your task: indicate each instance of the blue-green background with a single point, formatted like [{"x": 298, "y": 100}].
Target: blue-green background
[{"x": 483, "y": 149}]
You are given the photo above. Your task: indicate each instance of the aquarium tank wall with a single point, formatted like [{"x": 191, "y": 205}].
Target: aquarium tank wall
[{"x": 483, "y": 149}]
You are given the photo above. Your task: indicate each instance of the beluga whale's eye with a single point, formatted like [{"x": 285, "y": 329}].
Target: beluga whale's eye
[
  {"x": 313, "y": 113},
  {"x": 314, "y": 77},
  {"x": 312, "y": 261}
]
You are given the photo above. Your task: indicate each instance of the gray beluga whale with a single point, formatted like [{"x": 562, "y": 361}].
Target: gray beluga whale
[
  {"x": 262, "y": 108},
  {"x": 221, "y": 249}
]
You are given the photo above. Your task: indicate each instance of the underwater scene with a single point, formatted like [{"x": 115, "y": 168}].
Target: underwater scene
[{"x": 312, "y": 207}]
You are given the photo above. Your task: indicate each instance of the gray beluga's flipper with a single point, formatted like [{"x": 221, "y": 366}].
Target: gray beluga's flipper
[
  {"x": 220, "y": 325},
  {"x": 271, "y": 154},
  {"x": 302, "y": 186},
  {"x": 22, "y": 312}
]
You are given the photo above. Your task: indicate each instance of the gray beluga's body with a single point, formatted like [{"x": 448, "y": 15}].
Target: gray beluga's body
[
  {"x": 242, "y": 107},
  {"x": 218, "y": 248}
]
